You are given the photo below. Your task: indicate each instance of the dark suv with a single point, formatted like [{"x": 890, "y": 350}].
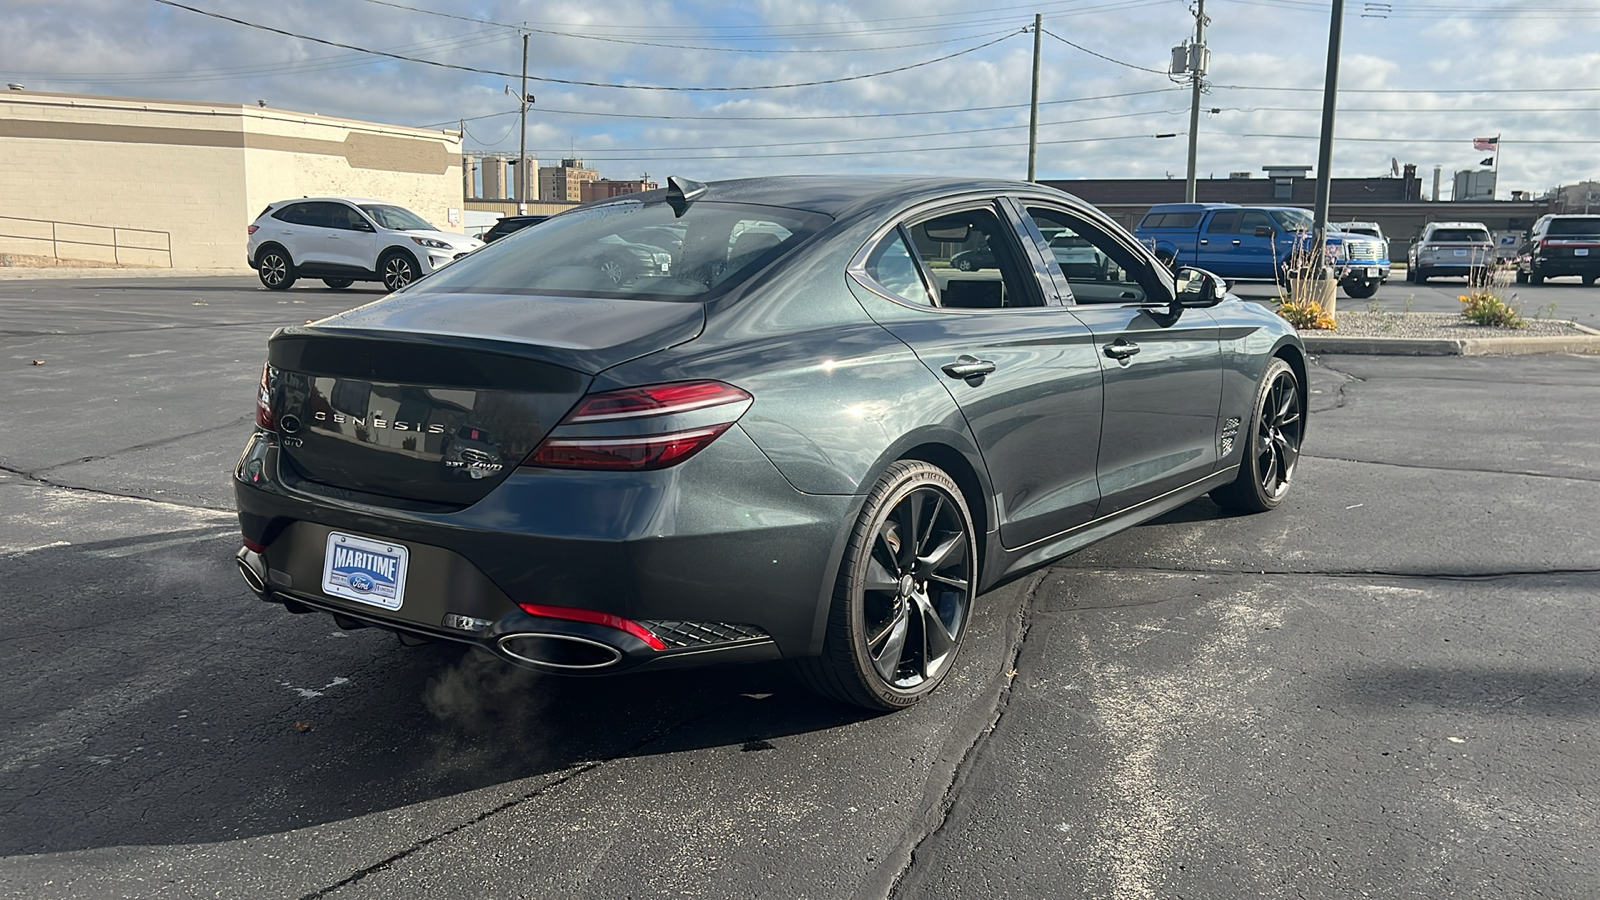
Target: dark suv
[
  {"x": 508, "y": 224},
  {"x": 1560, "y": 245}
]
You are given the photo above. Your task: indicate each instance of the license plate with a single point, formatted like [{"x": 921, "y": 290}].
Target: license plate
[
  {"x": 1461, "y": 253},
  {"x": 1374, "y": 272},
  {"x": 1581, "y": 251},
  {"x": 365, "y": 570}
]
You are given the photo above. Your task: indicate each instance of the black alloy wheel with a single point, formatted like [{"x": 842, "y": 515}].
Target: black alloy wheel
[
  {"x": 399, "y": 270},
  {"x": 904, "y": 593},
  {"x": 1272, "y": 445},
  {"x": 275, "y": 270},
  {"x": 338, "y": 284}
]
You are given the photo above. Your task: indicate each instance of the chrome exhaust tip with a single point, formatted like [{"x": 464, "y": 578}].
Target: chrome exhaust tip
[
  {"x": 565, "y": 652},
  {"x": 253, "y": 571}
]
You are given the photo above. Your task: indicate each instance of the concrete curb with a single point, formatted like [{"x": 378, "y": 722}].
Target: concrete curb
[
  {"x": 1496, "y": 346},
  {"x": 23, "y": 273}
]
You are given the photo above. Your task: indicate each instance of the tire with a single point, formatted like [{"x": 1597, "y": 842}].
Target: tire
[
  {"x": 275, "y": 269},
  {"x": 398, "y": 269},
  {"x": 1271, "y": 446},
  {"x": 1360, "y": 290},
  {"x": 1522, "y": 277},
  {"x": 965, "y": 265},
  {"x": 1591, "y": 279},
  {"x": 1422, "y": 275},
  {"x": 1535, "y": 276},
  {"x": 903, "y": 594},
  {"x": 615, "y": 269},
  {"x": 338, "y": 284}
]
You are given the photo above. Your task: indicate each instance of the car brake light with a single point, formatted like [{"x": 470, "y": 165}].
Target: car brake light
[
  {"x": 649, "y": 446},
  {"x": 250, "y": 230},
  {"x": 264, "y": 417},
  {"x": 592, "y": 617}
]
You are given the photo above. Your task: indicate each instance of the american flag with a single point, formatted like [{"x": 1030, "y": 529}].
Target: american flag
[{"x": 1486, "y": 143}]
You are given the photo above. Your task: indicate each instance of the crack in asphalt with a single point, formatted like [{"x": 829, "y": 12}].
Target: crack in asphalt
[
  {"x": 1375, "y": 462},
  {"x": 1321, "y": 573},
  {"x": 242, "y": 420},
  {"x": 1339, "y": 398},
  {"x": 935, "y": 815},
  {"x": 45, "y": 482},
  {"x": 513, "y": 803}
]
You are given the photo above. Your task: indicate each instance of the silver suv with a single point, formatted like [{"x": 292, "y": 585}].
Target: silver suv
[
  {"x": 344, "y": 240},
  {"x": 1449, "y": 248}
]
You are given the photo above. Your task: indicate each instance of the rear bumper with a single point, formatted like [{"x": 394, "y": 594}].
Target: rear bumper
[
  {"x": 1567, "y": 265},
  {"x": 719, "y": 557}
]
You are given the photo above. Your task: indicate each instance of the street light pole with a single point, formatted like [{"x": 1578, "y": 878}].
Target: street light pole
[
  {"x": 1194, "y": 108},
  {"x": 1330, "y": 97},
  {"x": 522, "y": 145},
  {"x": 1033, "y": 109}
]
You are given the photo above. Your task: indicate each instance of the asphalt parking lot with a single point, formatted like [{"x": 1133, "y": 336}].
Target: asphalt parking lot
[{"x": 1385, "y": 688}]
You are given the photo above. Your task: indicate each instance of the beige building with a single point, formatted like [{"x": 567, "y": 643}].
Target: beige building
[
  {"x": 174, "y": 184},
  {"x": 565, "y": 182}
]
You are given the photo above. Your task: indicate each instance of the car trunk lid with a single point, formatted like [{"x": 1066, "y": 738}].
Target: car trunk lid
[{"x": 435, "y": 404}]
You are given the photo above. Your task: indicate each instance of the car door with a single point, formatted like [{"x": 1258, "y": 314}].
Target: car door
[
  {"x": 1217, "y": 248},
  {"x": 1257, "y": 244},
  {"x": 352, "y": 241},
  {"x": 1161, "y": 371},
  {"x": 293, "y": 228},
  {"x": 1021, "y": 367}
]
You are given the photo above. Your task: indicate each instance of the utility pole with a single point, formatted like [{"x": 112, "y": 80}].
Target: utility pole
[
  {"x": 522, "y": 145},
  {"x": 1330, "y": 97},
  {"x": 1033, "y": 109},
  {"x": 1197, "y": 66}
]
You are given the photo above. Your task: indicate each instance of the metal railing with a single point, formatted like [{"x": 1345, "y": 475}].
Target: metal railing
[{"x": 123, "y": 241}]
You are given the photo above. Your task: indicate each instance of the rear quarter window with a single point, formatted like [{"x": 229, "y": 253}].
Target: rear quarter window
[{"x": 1170, "y": 220}]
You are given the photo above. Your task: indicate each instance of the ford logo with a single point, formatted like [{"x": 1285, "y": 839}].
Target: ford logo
[{"x": 362, "y": 583}]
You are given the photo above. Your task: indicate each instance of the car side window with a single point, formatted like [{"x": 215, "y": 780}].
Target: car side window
[
  {"x": 1253, "y": 220},
  {"x": 896, "y": 270},
  {"x": 1097, "y": 268},
  {"x": 974, "y": 261},
  {"x": 1224, "y": 222},
  {"x": 294, "y": 214},
  {"x": 345, "y": 218}
]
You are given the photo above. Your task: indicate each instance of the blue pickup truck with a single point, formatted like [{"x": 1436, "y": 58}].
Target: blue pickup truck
[{"x": 1253, "y": 243}]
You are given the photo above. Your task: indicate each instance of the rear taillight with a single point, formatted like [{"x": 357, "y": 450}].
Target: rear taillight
[
  {"x": 264, "y": 417},
  {"x": 650, "y": 427},
  {"x": 251, "y": 229}
]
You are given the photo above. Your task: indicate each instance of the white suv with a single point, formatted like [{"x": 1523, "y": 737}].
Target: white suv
[{"x": 343, "y": 240}]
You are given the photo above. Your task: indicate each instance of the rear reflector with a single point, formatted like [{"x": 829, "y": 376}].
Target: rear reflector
[
  {"x": 250, "y": 230},
  {"x": 264, "y": 417},
  {"x": 649, "y": 448},
  {"x": 573, "y": 614}
]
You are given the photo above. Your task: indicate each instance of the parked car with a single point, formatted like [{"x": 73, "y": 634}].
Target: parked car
[
  {"x": 1247, "y": 243},
  {"x": 1449, "y": 248},
  {"x": 806, "y": 438},
  {"x": 1372, "y": 230},
  {"x": 344, "y": 240},
  {"x": 1559, "y": 245},
  {"x": 510, "y": 224}
]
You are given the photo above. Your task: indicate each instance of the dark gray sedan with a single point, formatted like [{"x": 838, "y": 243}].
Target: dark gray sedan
[{"x": 804, "y": 434}]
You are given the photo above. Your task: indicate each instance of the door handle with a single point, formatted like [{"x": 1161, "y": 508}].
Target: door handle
[
  {"x": 333, "y": 237},
  {"x": 968, "y": 367},
  {"x": 1121, "y": 349},
  {"x": 1236, "y": 243},
  {"x": 1204, "y": 242}
]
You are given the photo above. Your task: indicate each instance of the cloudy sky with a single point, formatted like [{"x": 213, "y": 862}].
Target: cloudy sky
[{"x": 915, "y": 87}]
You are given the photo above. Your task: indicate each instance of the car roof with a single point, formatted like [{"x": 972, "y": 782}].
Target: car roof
[
  {"x": 1458, "y": 225},
  {"x": 838, "y": 195}
]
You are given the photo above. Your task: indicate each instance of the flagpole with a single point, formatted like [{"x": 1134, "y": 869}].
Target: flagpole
[{"x": 1496, "y": 168}]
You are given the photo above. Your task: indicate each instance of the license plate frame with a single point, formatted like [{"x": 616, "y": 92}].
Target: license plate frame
[
  {"x": 1374, "y": 272},
  {"x": 365, "y": 570},
  {"x": 1461, "y": 253}
]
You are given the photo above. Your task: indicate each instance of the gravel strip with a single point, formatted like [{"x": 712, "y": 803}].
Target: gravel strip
[{"x": 1438, "y": 325}]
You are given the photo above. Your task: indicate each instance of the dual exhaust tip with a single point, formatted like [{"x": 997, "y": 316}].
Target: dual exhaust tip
[{"x": 542, "y": 650}]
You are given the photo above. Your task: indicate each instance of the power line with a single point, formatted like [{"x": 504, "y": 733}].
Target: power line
[
  {"x": 1317, "y": 90},
  {"x": 1403, "y": 140},
  {"x": 1100, "y": 55},
  {"x": 603, "y": 84},
  {"x": 830, "y": 116},
  {"x": 617, "y": 40},
  {"x": 902, "y": 151}
]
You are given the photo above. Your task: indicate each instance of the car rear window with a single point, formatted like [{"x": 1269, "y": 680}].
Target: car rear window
[
  {"x": 1460, "y": 236},
  {"x": 1574, "y": 226},
  {"x": 635, "y": 250},
  {"x": 1171, "y": 220}
]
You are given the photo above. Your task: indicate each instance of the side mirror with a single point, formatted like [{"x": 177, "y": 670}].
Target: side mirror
[
  {"x": 1263, "y": 231},
  {"x": 363, "y": 225},
  {"x": 1198, "y": 288}
]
